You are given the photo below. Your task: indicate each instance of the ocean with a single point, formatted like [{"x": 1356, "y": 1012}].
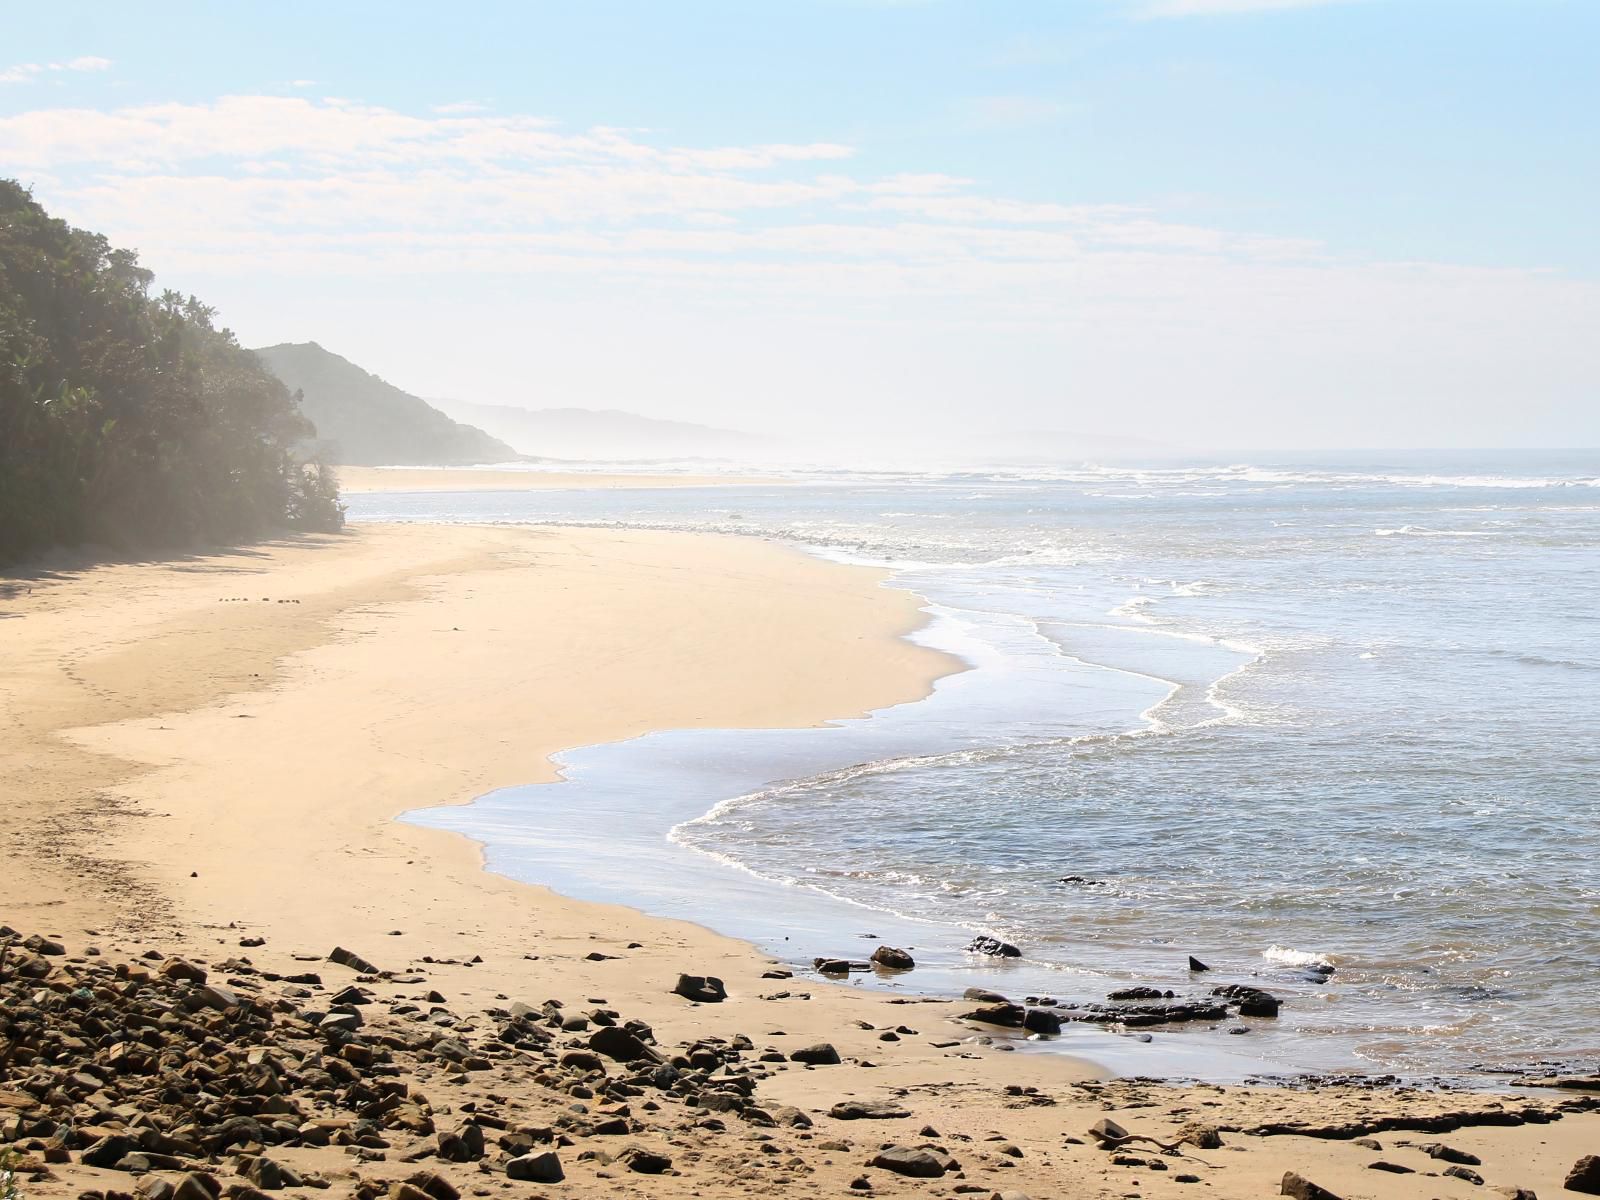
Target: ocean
[{"x": 1274, "y": 714}]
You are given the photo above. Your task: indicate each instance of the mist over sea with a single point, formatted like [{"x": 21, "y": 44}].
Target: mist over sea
[{"x": 1268, "y": 713}]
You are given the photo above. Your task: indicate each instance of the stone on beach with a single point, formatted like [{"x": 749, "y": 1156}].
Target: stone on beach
[
  {"x": 536, "y": 1168},
  {"x": 1584, "y": 1176},
  {"x": 893, "y": 959},
  {"x": 821, "y": 1055},
  {"x": 349, "y": 958},
  {"x": 867, "y": 1110},
  {"x": 704, "y": 989},
  {"x": 1300, "y": 1188},
  {"x": 907, "y": 1160}
]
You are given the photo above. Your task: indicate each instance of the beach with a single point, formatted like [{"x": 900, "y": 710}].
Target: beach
[{"x": 207, "y": 751}]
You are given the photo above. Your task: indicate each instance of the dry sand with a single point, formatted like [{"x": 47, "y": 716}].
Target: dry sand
[
  {"x": 201, "y": 750},
  {"x": 489, "y": 479}
]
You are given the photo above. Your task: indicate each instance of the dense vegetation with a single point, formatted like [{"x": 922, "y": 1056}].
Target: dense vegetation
[
  {"x": 128, "y": 420},
  {"x": 364, "y": 421}
]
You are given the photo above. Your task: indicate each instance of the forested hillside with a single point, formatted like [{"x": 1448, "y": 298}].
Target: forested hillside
[
  {"x": 130, "y": 420},
  {"x": 365, "y": 421}
]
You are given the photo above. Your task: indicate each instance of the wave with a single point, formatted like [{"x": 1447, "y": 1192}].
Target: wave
[
  {"x": 1424, "y": 531},
  {"x": 1285, "y": 957}
]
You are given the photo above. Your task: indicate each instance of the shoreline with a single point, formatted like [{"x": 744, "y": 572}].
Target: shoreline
[
  {"x": 214, "y": 750},
  {"x": 362, "y": 481}
]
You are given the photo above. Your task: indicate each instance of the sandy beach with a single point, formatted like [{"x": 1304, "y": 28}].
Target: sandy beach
[
  {"x": 489, "y": 479},
  {"x": 207, "y": 753}
]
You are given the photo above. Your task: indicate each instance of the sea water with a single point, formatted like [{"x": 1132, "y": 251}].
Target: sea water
[{"x": 1273, "y": 714}]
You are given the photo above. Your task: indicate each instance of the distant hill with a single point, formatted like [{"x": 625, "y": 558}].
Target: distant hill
[
  {"x": 585, "y": 433},
  {"x": 363, "y": 421}
]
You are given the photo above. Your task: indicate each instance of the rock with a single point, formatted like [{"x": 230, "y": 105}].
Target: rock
[
  {"x": 583, "y": 1060},
  {"x": 866, "y": 1110},
  {"x": 645, "y": 1162},
  {"x": 792, "y": 1117},
  {"x": 348, "y": 958},
  {"x": 1392, "y": 1168},
  {"x": 437, "y": 1187},
  {"x": 107, "y": 1152},
  {"x": 1450, "y": 1154},
  {"x": 1041, "y": 1020},
  {"x": 178, "y": 968},
  {"x": 268, "y": 1175},
  {"x": 196, "y": 1186},
  {"x": 1106, "y": 1130},
  {"x": 1303, "y": 1189},
  {"x": 892, "y": 959},
  {"x": 836, "y": 966},
  {"x": 1139, "y": 993},
  {"x": 821, "y": 1055},
  {"x": 984, "y": 996},
  {"x": 620, "y": 1044},
  {"x": 705, "y": 989},
  {"x": 462, "y": 1145},
  {"x": 219, "y": 998},
  {"x": 1008, "y": 1015},
  {"x": 1196, "y": 965},
  {"x": 1466, "y": 1173},
  {"x": 993, "y": 947},
  {"x": 1584, "y": 1176},
  {"x": 904, "y": 1160},
  {"x": 1252, "y": 1001},
  {"x": 1517, "y": 1193},
  {"x": 536, "y": 1168},
  {"x": 1200, "y": 1136}
]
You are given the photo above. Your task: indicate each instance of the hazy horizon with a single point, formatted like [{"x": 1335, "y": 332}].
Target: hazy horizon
[{"x": 1244, "y": 224}]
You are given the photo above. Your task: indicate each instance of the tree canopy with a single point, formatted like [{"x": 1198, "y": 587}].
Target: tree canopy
[{"x": 130, "y": 420}]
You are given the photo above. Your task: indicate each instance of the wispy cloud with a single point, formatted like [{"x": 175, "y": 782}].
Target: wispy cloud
[{"x": 30, "y": 72}]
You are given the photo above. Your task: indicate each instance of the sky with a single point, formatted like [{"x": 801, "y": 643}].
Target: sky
[{"x": 1205, "y": 223}]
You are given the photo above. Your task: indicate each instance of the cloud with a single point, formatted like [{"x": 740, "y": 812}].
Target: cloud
[
  {"x": 250, "y": 189},
  {"x": 30, "y": 72}
]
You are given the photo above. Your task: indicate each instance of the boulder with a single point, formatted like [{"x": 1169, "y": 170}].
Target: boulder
[
  {"x": 1009, "y": 1015},
  {"x": 1041, "y": 1020},
  {"x": 536, "y": 1168},
  {"x": 645, "y": 1162},
  {"x": 893, "y": 959},
  {"x": 1584, "y": 1176},
  {"x": 178, "y": 968},
  {"x": 906, "y": 1160},
  {"x": 1450, "y": 1154},
  {"x": 984, "y": 996},
  {"x": 621, "y": 1044},
  {"x": 821, "y": 1055},
  {"x": 704, "y": 989}
]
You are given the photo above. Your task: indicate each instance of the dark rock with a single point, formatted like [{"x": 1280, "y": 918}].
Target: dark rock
[
  {"x": 821, "y": 1055},
  {"x": 867, "y": 1110},
  {"x": 1303, "y": 1189},
  {"x": 893, "y": 959},
  {"x": 706, "y": 989},
  {"x": 619, "y": 1043},
  {"x": 536, "y": 1168},
  {"x": 348, "y": 958},
  {"x": 268, "y": 1175},
  {"x": 1008, "y": 1015},
  {"x": 984, "y": 996},
  {"x": 905, "y": 1160},
  {"x": 1201, "y": 1136},
  {"x": 1450, "y": 1154},
  {"x": 1466, "y": 1173},
  {"x": 1196, "y": 965},
  {"x": 177, "y": 968},
  {"x": 1041, "y": 1020},
  {"x": 1252, "y": 1001},
  {"x": 1584, "y": 1176},
  {"x": 1139, "y": 993},
  {"x": 993, "y": 947},
  {"x": 437, "y": 1187},
  {"x": 462, "y": 1145},
  {"x": 1392, "y": 1168},
  {"x": 107, "y": 1152},
  {"x": 645, "y": 1162}
]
